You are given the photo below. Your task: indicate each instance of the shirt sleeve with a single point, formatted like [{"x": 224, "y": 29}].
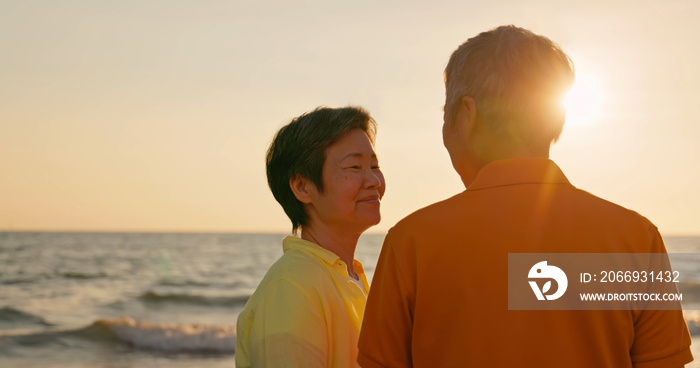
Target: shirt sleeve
[
  {"x": 385, "y": 337},
  {"x": 661, "y": 337},
  {"x": 288, "y": 328}
]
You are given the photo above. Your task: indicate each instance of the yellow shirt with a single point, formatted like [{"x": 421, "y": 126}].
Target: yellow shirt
[{"x": 306, "y": 312}]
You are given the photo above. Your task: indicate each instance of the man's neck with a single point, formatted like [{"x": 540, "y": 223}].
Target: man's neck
[
  {"x": 475, "y": 162},
  {"x": 504, "y": 151}
]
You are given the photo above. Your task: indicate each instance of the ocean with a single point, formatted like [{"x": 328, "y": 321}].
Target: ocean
[{"x": 165, "y": 299}]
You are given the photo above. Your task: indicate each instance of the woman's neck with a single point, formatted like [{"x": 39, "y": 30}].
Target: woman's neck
[{"x": 342, "y": 244}]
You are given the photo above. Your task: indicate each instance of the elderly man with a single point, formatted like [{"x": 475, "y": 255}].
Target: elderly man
[{"x": 439, "y": 297}]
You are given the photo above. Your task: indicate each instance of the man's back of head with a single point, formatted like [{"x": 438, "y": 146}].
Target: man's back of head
[
  {"x": 517, "y": 81},
  {"x": 517, "y": 78}
]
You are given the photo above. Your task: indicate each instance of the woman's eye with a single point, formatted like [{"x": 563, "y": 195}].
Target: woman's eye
[{"x": 375, "y": 167}]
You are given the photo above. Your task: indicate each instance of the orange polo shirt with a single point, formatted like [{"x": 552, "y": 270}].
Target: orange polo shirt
[{"x": 440, "y": 291}]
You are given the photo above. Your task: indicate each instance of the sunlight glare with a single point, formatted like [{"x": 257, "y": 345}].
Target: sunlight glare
[{"x": 583, "y": 101}]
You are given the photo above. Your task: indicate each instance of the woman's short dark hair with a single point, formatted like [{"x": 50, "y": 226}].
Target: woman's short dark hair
[{"x": 300, "y": 148}]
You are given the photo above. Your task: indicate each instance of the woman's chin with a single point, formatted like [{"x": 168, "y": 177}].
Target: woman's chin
[
  {"x": 360, "y": 222},
  {"x": 371, "y": 220}
]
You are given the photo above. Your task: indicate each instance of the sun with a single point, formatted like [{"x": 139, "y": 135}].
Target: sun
[{"x": 583, "y": 100}]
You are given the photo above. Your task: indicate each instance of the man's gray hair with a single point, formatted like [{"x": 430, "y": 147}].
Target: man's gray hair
[{"x": 518, "y": 80}]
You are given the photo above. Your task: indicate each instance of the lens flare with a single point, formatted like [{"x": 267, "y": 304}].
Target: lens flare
[{"x": 583, "y": 101}]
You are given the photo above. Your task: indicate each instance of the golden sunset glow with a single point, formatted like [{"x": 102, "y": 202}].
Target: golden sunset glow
[{"x": 155, "y": 115}]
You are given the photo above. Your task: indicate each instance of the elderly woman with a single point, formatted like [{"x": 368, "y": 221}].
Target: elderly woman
[{"x": 308, "y": 308}]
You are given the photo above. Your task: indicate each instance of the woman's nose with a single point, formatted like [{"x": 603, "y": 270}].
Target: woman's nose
[{"x": 372, "y": 179}]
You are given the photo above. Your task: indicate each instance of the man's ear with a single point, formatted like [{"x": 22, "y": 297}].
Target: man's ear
[
  {"x": 466, "y": 115},
  {"x": 301, "y": 187}
]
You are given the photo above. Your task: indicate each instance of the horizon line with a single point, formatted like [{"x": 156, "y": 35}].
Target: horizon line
[{"x": 240, "y": 232}]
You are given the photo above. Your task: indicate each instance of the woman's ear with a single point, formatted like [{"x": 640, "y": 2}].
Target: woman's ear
[{"x": 301, "y": 187}]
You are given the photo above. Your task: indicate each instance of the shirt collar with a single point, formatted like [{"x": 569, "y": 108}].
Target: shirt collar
[
  {"x": 526, "y": 170},
  {"x": 292, "y": 242}
]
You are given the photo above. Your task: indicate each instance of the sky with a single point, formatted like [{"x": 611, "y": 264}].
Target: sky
[{"x": 141, "y": 115}]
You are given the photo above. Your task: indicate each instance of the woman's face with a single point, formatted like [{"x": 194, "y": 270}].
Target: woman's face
[{"x": 353, "y": 185}]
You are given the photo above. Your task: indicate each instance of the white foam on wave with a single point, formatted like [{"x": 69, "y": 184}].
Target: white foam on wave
[{"x": 174, "y": 337}]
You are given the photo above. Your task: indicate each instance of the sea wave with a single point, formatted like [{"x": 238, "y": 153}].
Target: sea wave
[
  {"x": 186, "y": 298},
  {"x": 82, "y": 275},
  {"x": 12, "y": 317},
  {"x": 187, "y": 282},
  {"x": 170, "y": 338},
  {"x": 173, "y": 337},
  {"x": 692, "y": 318},
  {"x": 690, "y": 290},
  {"x": 163, "y": 337},
  {"x": 183, "y": 282},
  {"x": 25, "y": 279}
]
